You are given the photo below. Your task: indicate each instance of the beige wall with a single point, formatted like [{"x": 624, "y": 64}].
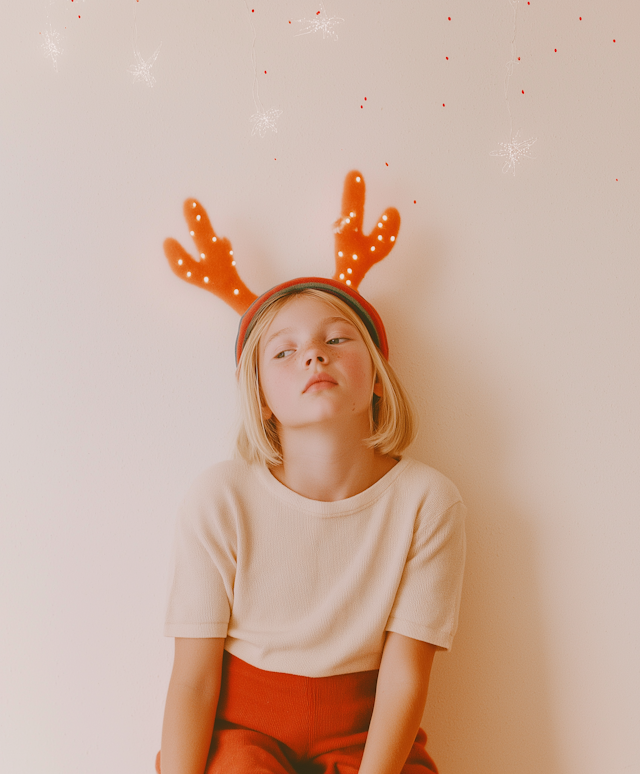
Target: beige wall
[{"x": 511, "y": 304}]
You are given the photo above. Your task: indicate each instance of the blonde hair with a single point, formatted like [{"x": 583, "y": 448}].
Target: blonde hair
[{"x": 392, "y": 416}]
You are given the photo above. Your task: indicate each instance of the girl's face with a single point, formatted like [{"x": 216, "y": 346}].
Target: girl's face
[{"x": 314, "y": 367}]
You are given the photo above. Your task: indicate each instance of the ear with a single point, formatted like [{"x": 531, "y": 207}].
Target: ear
[
  {"x": 377, "y": 388},
  {"x": 266, "y": 413}
]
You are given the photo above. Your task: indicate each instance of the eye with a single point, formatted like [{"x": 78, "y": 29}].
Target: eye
[
  {"x": 337, "y": 340},
  {"x": 283, "y": 353}
]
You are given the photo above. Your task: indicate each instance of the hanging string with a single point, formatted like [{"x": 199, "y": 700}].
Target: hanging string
[
  {"x": 513, "y": 151},
  {"x": 511, "y": 63},
  {"x": 254, "y": 64},
  {"x": 262, "y": 119}
]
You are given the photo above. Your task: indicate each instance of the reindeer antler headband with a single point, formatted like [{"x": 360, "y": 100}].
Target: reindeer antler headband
[{"x": 355, "y": 254}]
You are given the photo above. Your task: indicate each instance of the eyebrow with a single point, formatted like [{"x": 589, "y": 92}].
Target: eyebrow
[{"x": 325, "y": 321}]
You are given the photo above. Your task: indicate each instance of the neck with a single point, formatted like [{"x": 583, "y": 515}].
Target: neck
[{"x": 328, "y": 466}]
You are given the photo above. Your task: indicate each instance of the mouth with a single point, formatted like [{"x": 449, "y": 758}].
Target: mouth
[{"x": 321, "y": 380}]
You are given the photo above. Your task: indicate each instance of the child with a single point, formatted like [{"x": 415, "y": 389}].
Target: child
[{"x": 317, "y": 574}]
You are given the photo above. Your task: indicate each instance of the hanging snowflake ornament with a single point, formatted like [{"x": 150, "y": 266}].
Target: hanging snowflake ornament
[
  {"x": 265, "y": 119},
  {"x": 51, "y": 45},
  {"x": 141, "y": 70},
  {"x": 514, "y": 151},
  {"x": 321, "y": 22}
]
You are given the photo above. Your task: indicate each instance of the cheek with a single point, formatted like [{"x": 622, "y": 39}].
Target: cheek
[
  {"x": 274, "y": 388},
  {"x": 361, "y": 378},
  {"x": 361, "y": 369}
]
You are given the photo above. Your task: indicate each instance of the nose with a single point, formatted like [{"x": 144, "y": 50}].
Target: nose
[{"x": 315, "y": 352}]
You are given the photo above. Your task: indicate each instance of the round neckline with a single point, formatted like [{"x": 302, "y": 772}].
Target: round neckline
[{"x": 333, "y": 507}]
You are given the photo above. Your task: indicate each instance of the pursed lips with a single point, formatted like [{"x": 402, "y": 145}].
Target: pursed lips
[{"x": 319, "y": 379}]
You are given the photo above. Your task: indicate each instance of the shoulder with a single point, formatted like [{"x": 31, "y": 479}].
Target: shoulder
[
  {"x": 429, "y": 485},
  {"x": 223, "y": 476},
  {"x": 220, "y": 488}
]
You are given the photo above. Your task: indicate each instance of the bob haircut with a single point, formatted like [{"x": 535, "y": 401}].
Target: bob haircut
[{"x": 392, "y": 417}]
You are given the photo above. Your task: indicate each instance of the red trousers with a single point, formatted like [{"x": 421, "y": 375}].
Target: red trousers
[{"x": 275, "y": 723}]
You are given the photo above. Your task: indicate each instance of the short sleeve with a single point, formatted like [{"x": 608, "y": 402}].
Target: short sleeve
[
  {"x": 203, "y": 572},
  {"x": 428, "y": 597}
]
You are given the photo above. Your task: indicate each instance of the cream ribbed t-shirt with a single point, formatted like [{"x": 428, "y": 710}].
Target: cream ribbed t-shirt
[{"x": 309, "y": 587}]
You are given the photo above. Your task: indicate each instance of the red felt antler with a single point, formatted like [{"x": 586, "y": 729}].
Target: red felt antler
[
  {"x": 355, "y": 252},
  {"x": 216, "y": 269}
]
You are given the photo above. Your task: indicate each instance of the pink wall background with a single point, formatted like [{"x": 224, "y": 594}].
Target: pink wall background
[{"x": 511, "y": 304}]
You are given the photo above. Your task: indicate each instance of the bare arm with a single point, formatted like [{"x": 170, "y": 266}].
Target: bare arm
[
  {"x": 190, "y": 710},
  {"x": 401, "y": 695}
]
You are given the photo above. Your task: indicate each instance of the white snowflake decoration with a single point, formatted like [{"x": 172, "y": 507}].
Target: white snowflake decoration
[
  {"x": 320, "y": 23},
  {"x": 514, "y": 152},
  {"x": 141, "y": 70},
  {"x": 265, "y": 119},
  {"x": 51, "y": 46}
]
